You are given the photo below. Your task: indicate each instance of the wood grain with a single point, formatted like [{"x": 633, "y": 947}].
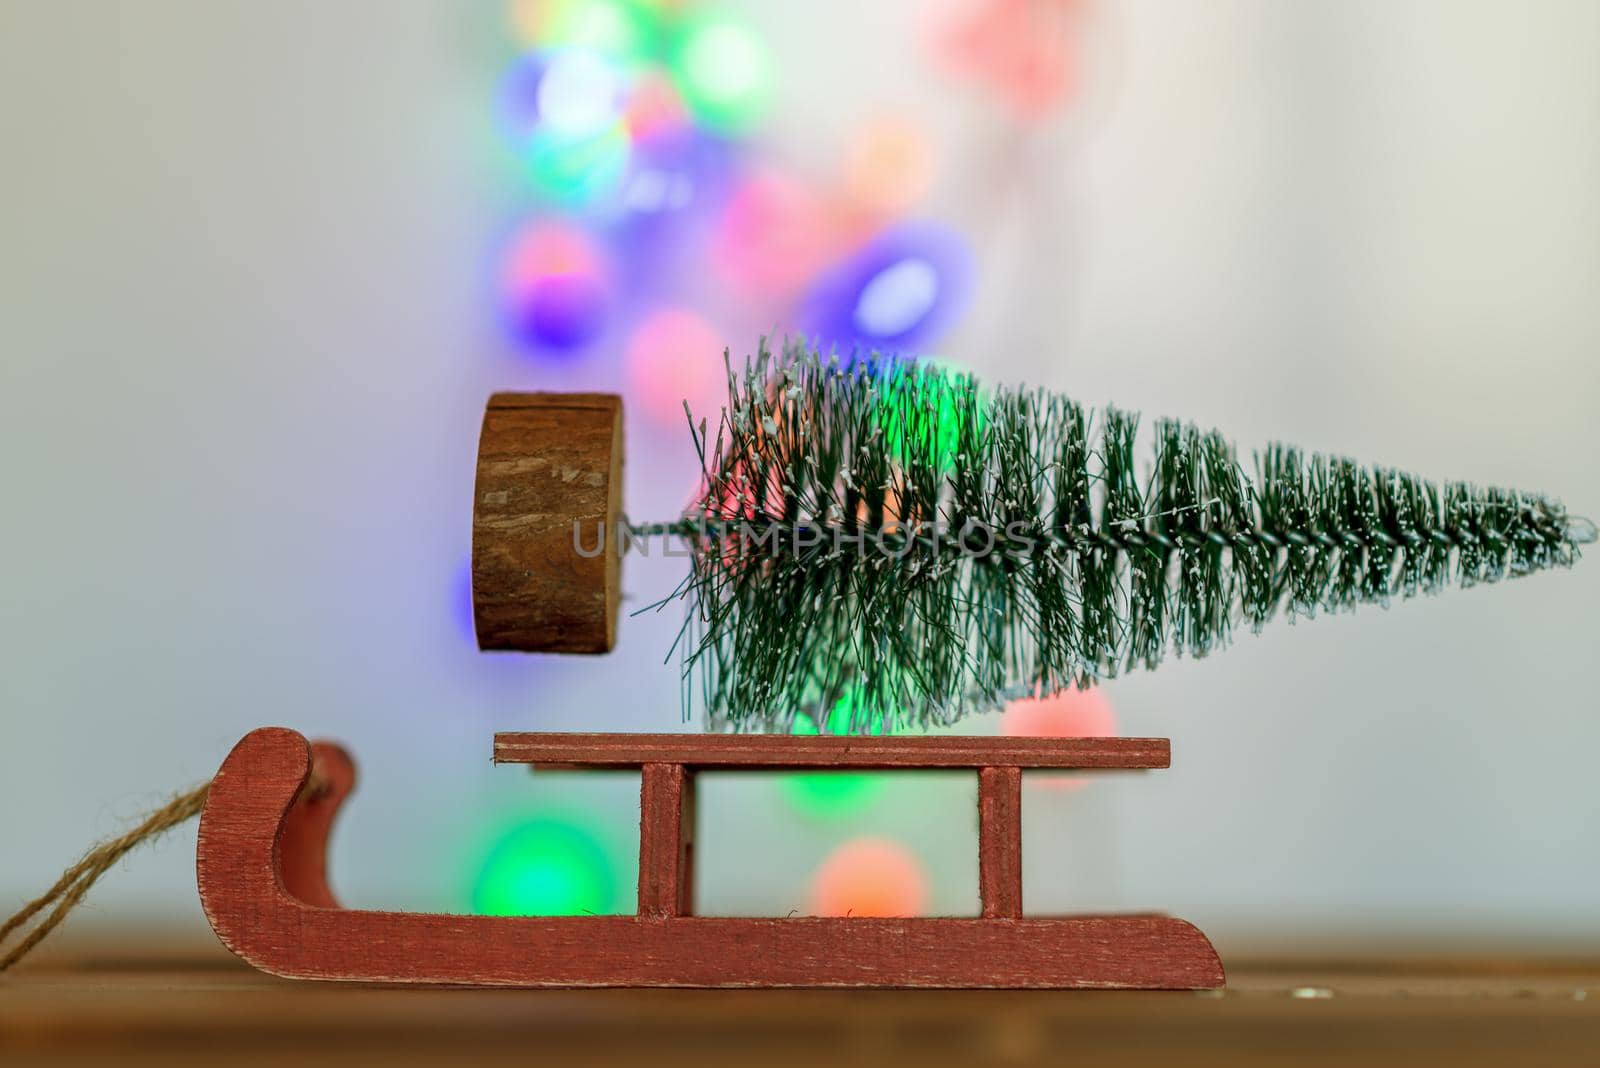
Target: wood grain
[
  {"x": 778, "y": 752},
  {"x": 121, "y": 998},
  {"x": 257, "y": 916},
  {"x": 547, "y": 461},
  {"x": 666, "y": 836},
  {"x": 1000, "y": 842},
  {"x": 303, "y": 841}
]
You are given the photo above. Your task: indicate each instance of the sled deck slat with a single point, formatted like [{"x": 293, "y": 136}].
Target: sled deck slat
[{"x": 780, "y": 752}]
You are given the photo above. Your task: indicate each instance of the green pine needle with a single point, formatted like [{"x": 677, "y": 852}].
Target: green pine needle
[{"x": 891, "y": 531}]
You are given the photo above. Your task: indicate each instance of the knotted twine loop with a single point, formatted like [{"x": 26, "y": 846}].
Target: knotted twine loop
[{"x": 76, "y": 880}]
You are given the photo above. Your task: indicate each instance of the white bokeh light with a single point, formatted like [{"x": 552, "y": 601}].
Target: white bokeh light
[
  {"x": 580, "y": 94},
  {"x": 897, "y": 298}
]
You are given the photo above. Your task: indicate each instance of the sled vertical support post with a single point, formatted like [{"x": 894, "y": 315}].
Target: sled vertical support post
[
  {"x": 666, "y": 840},
  {"x": 1000, "y": 842}
]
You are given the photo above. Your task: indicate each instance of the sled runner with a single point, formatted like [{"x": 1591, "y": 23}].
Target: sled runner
[{"x": 263, "y": 884}]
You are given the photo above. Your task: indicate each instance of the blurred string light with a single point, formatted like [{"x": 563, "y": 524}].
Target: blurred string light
[
  {"x": 669, "y": 363},
  {"x": 1069, "y": 714},
  {"x": 625, "y": 31},
  {"x": 835, "y": 794},
  {"x": 664, "y": 184},
  {"x": 655, "y": 107},
  {"x": 555, "y": 291},
  {"x": 562, "y": 114},
  {"x": 899, "y": 292},
  {"x": 546, "y": 867},
  {"x": 724, "y": 71},
  {"x": 629, "y": 120},
  {"x": 577, "y": 170},
  {"x": 870, "y": 877},
  {"x": 773, "y": 236},
  {"x": 661, "y": 218},
  {"x": 579, "y": 94},
  {"x": 1025, "y": 53},
  {"x": 888, "y": 168}
]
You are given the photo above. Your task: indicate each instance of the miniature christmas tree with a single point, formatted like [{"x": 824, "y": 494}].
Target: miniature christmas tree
[{"x": 889, "y": 538}]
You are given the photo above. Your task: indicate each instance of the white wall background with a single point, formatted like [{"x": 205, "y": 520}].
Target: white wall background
[{"x": 244, "y": 340}]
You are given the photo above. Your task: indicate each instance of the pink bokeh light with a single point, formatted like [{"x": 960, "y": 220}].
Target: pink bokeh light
[
  {"x": 675, "y": 355},
  {"x": 1069, "y": 714}
]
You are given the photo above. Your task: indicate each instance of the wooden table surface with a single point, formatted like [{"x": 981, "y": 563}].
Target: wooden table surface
[{"x": 200, "y": 1007}]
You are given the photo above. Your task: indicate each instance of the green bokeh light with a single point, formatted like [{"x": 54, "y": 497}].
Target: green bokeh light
[
  {"x": 572, "y": 170},
  {"x": 546, "y": 867},
  {"x": 625, "y": 31},
  {"x": 834, "y": 794},
  {"x": 723, "y": 71},
  {"x": 931, "y": 419}
]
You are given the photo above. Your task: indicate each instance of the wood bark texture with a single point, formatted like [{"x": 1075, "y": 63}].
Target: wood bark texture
[{"x": 548, "y": 490}]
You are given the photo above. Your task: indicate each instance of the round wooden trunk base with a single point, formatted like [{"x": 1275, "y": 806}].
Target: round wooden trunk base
[{"x": 546, "y": 560}]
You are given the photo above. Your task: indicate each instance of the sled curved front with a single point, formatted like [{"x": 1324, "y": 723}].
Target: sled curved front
[{"x": 263, "y": 886}]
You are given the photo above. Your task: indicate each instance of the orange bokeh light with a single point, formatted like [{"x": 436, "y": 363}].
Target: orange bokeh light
[
  {"x": 889, "y": 167},
  {"x": 869, "y": 877}
]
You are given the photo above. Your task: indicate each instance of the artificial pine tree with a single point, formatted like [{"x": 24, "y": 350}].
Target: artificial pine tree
[{"x": 890, "y": 540}]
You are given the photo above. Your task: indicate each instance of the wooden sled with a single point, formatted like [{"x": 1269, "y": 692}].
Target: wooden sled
[{"x": 262, "y": 876}]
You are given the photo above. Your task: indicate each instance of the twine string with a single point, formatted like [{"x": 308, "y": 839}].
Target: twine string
[{"x": 75, "y": 882}]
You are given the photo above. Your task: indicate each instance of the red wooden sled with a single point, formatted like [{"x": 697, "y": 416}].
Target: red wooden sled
[{"x": 262, "y": 875}]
